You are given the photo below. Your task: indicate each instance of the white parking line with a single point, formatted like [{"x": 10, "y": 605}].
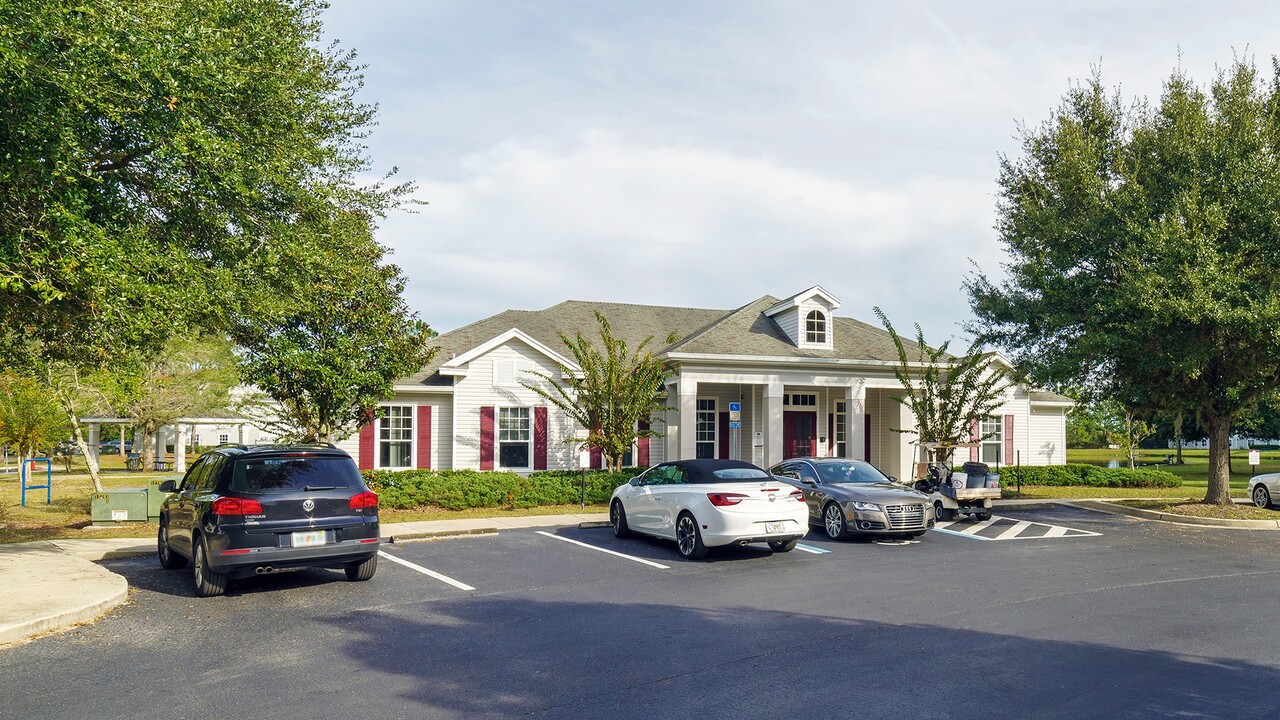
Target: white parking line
[
  {"x": 603, "y": 550},
  {"x": 1013, "y": 531},
  {"x": 959, "y": 534},
  {"x": 811, "y": 549},
  {"x": 424, "y": 571}
]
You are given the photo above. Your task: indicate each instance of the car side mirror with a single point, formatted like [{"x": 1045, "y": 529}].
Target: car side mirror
[
  {"x": 810, "y": 483},
  {"x": 168, "y": 486},
  {"x": 637, "y": 482},
  {"x": 893, "y": 478}
]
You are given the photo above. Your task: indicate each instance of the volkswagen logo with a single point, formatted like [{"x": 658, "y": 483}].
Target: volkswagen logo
[{"x": 309, "y": 504}]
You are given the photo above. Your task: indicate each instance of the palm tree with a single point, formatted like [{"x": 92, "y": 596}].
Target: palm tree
[{"x": 609, "y": 393}]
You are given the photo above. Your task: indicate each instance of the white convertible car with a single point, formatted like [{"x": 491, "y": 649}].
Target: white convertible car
[{"x": 705, "y": 503}]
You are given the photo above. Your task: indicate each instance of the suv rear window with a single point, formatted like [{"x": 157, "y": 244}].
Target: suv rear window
[{"x": 290, "y": 474}]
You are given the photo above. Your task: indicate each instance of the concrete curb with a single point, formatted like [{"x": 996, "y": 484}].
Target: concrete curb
[
  {"x": 41, "y": 604},
  {"x": 438, "y": 535},
  {"x": 1112, "y": 508}
]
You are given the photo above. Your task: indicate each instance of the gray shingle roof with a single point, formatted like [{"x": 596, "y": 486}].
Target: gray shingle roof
[
  {"x": 1046, "y": 396},
  {"x": 744, "y": 331}
]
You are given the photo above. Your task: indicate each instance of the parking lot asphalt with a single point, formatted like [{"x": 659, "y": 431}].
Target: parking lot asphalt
[{"x": 1129, "y": 619}]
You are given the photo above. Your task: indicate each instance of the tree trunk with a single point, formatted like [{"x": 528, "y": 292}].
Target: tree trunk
[
  {"x": 91, "y": 460},
  {"x": 123, "y": 452},
  {"x": 1219, "y": 491},
  {"x": 148, "y": 455},
  {"x": 1177, "y": 436}
]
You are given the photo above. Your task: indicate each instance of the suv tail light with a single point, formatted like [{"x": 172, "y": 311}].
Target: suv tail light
[
  {"x": 723, "y": 499},
  {"x": 364, "y": 500},
  {"x": 236, "y": 506}
]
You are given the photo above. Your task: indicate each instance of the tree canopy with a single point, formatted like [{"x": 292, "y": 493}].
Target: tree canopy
[
  {"x": 1141, "y": 245},
  {"x": 613, "y": 391},
  {"x": 155, "y": 155},
  {"x": 334, "y": 345}
]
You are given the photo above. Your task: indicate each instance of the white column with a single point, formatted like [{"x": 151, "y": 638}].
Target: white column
[
  {"x": 240, "y": 433},
  {"x": 94, "y": 440},
  {"x": 855, "y": 421},
  {"x": 688, "y": 408},
  {"x": 180, "y": 448},
  {"x": 773, "y": 423},
  {"x": 159, "y": 447}
]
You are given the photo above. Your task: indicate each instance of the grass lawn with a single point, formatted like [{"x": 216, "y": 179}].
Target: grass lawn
[{"x": 68, "y": 515}]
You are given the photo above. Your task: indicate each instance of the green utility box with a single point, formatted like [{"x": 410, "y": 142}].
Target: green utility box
[
  {"x": 115, "y": 507},
  {"x": 155, "y": 498}
]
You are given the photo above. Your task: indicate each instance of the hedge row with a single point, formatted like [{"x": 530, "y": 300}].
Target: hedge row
[
  {"x": 1088, "y": 475},
  {"x": 463, "y": 489}
]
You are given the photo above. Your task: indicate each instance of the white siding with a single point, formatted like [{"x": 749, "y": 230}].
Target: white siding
[
  {"x": 476, "y": 390},
  {"x": 801, "y": 326},
  {"x": 1046, "y": 438}
]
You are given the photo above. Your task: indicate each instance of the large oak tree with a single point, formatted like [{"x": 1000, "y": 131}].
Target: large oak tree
[{"x": 1142, "y": 245}]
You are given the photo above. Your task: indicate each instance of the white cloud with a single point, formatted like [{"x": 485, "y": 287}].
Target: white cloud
[{"x": 528, "y": 225}]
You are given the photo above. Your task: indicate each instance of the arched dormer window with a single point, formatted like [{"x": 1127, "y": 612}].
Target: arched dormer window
[{"x": 815, "y": 327}]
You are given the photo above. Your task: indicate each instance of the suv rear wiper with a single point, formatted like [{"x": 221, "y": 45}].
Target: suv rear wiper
[{"x": 320, "y": 487}]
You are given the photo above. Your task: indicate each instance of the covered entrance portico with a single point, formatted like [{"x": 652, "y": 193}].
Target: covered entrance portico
[{"x": 788, "y": 414}]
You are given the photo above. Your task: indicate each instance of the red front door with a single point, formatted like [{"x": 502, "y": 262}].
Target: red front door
[{"x": 799, "y": 433}]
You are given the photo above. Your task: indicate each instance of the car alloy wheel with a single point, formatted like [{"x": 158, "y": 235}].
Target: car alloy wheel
[
  {"x": 208, "y": 583},
  {"x": 834, "y": 522},
  {"x": 618, "y": 520},
  {"x": 1261, "y": 497},
  {"x": 168, "y": 558},
  {"x": 688, "y": 538}
]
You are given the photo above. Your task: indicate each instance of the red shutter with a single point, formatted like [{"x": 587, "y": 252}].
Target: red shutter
[
  {"x": 1008, "y": 440},
  {"x": 540, "y": 437},
  {"x": 974, "y": 436},
  {"x": 831, "y": 435},
  {"x": 724, "y": 436},
  {"x": 597, "y": 458},
  {"x": 424, "y": 437},
  {"x": 642, "y": 446},
  {"x": 866, "y": 438},
  {"x": 486, "y": 437},
  {"x": 366, "y": 447}
]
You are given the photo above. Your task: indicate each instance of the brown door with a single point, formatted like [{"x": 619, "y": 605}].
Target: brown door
[{"x": 799, "y": 431}]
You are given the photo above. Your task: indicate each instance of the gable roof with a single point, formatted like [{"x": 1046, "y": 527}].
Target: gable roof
[
  {"x": 745, "y": 331},
  {"x": 799, "y": 298}
]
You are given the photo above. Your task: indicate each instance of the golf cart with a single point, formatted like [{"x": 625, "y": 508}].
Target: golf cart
[{"x": 968, "y": 492}]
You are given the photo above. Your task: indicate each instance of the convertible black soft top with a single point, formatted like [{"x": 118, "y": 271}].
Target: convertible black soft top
[{"x": 712, "y": 471}]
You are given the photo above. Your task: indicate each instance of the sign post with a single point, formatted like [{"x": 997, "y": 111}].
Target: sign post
[
  {"x": 584, "y": 460},
  {"x": 735, "y": 426}
]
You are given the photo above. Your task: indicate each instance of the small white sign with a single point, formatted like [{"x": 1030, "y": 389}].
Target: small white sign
[
  {"x": 1255, "y": 457},
  {"x": 119, "y": 515},
  {"x": 759, "y": 440},
  {"x": 584, "y": 458}
]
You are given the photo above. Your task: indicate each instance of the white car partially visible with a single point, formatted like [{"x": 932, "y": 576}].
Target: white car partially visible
[{"x": 703, "y": 504}]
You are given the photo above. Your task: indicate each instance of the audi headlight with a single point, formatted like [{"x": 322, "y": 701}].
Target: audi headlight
[{"x": 872, "y": 507}]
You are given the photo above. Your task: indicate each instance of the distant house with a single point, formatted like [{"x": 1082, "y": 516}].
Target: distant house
[{"x": 803, "y": 380}]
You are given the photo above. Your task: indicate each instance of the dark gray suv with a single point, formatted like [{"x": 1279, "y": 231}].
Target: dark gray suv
[{"x": 241, "y": 511}]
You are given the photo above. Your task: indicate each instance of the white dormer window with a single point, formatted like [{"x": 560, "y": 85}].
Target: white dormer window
[{"x": 815, "y": 328}]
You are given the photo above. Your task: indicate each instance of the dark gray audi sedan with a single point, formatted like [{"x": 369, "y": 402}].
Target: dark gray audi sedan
[
  {"x": 241, "y": 511},
  {"x": 851, "y": 496}
]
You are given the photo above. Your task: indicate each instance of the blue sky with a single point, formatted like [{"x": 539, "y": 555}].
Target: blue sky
[{"x": 707, "y": 153}]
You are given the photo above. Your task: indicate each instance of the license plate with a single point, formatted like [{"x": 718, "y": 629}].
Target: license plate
[
  {"x": 775, "y": 527},
  {"x": 308, "y": 539}
]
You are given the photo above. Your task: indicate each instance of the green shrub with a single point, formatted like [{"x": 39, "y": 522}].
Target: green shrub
[
  {"x": 1087, "y": 476},
  {"x": 464, "y": 489}
]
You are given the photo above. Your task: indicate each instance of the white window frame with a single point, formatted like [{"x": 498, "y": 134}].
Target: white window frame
[
  {"x": 819, "y": 336},
  {"x": 499, "y": 432},
  {"x": 224, "y": 438},
  {"x": 378, "y": 440},
  {"x": 705, "y": 407},
  {"x": 991, "y": 424},
  {"x": 842, "y": 428}
]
